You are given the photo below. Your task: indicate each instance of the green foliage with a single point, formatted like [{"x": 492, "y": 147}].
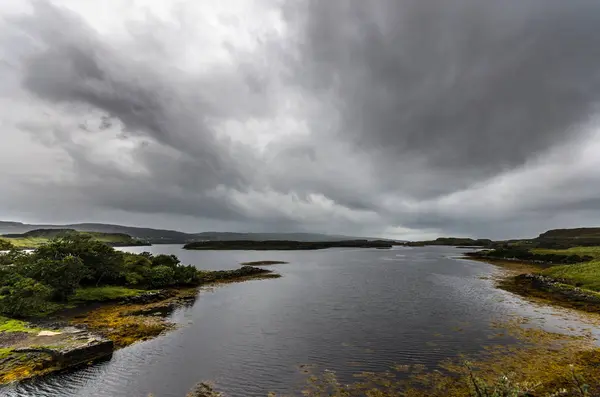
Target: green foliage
[
  {"x": 165, "y": 260},
  {"x": 161, "y": 276},
  {"x": 22, "y": 296},
  {"x": 102, "y": 261},
  {"x": 75, "y": 268},
  {"x": 62, "y": 275}
]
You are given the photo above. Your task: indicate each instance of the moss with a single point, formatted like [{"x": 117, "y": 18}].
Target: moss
[
  {"x": 11, "y": 325},
  {"x": 130, "y": 323},
  {"x": 5, "y": 352},
  {"x": 18, "y": 366}
]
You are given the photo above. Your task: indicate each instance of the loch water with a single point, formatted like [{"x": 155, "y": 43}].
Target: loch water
[{"x": 347, "y": 310}]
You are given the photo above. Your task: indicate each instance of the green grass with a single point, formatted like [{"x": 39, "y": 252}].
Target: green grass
[
  {"x": 11, "y": 325},
  {"x": 35, "y": 241},
  {"x": 26, "y": 242},
  {"x": 581, "y": 251},
  {"x": 100, "y": 294},
  {"x": 585, "y": 275}
]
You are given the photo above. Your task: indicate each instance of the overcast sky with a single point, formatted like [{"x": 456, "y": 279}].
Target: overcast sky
[{"x": 397, "y": 118}]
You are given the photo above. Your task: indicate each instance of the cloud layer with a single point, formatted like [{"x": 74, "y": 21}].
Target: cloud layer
[{"x": 409, "y": 118}]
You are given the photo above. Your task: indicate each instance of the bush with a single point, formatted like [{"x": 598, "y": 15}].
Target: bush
[
  {"x": 22, "y": 296},
  {"x": 63, "y": 275},
  {"x": 161, "y": 276}
]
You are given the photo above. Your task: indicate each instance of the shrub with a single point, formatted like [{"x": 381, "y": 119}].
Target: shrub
[
  {"x": 22, "y": 296},
  {"x": 161, "y": 276}
]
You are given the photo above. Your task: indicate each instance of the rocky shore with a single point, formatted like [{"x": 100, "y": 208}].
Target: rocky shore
[
  {"x": 554, "y": 290},
  {"x": 26, "y": 354}
]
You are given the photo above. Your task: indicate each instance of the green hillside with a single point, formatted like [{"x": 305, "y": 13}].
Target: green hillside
[{"x": 35, "y": 238}]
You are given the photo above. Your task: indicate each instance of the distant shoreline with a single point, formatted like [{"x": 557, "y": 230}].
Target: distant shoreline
[{"x": 285, "y": 245}]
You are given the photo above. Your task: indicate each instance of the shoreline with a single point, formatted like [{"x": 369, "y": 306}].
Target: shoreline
[
  {"x": 523, "y": 279},
  {"x": 90, "y": 332}
]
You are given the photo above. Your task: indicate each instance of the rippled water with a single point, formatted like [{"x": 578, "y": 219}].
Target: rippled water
[{"x": 343, "y": 309}]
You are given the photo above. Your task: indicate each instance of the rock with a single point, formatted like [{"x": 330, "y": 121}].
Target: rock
[{"x": 203, "y": 390}]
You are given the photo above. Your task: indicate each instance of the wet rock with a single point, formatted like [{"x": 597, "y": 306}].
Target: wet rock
[
  {"x": 203, "y": 390},
  {"x": 558, "y": 287}
]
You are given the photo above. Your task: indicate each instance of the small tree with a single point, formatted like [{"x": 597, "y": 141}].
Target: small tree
[
  {"x": 22, "y": 296},
  {"x": 161, "y": 276},
  {"x": 62, "y": 275}
]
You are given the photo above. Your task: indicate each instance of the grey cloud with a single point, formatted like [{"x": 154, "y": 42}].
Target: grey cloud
[
  {"x": 472, "y": 87},
  {"x": 405, "y": 102}
]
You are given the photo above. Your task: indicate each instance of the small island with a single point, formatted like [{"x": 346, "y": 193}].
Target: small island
[
  {"x": 285, "y": 245},
  {"x": 263, "y": 263}
]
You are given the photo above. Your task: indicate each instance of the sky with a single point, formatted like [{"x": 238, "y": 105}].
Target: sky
[{"x": 407, "y": 119}]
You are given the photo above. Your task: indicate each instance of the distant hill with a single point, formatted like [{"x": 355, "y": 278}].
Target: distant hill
[
  {"x": 37, "y": 237},
  {"x": 162, "y": 236},
  {"x": 566, "y": 238}
]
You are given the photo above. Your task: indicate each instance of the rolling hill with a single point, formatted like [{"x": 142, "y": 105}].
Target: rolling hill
[{"x": 163, "y": 236}]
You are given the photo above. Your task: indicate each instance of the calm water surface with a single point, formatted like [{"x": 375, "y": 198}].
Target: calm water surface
[{"x": 342, "y": 309}]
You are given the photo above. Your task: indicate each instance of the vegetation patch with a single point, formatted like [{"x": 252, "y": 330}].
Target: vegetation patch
[
  {"x": 106, "y": 293},
  {"x": 522, "y": 254},
  {"x": 38, "y": 237},
  {"x": 593, "y": 252},
  {"x": 584, "y": 275},
  {"x": 17, "y": 366},
  {"x": 12, "y": 325},
  {"x": 127, "y": 324}
]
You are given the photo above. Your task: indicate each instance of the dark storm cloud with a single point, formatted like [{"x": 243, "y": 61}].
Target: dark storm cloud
[
  {"x": 428, "y": 115},
  {"x": 469, "y": 86},
  {"x": 76, "y": 66}
]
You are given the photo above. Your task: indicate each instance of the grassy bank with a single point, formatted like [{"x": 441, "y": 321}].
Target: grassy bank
[{"x": 568, "y": 277}]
